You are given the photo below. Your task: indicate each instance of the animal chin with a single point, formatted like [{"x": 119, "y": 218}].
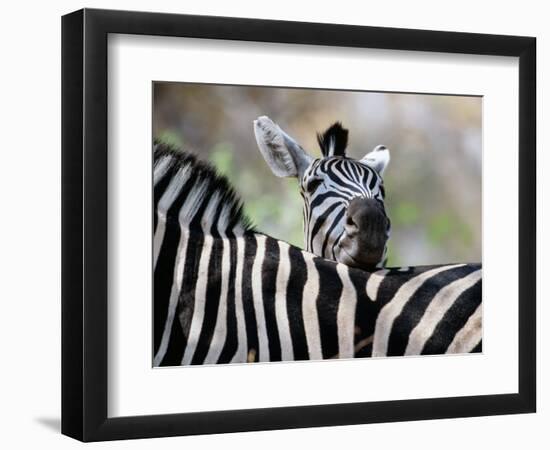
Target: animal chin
[{"x": 366, "y": 260}]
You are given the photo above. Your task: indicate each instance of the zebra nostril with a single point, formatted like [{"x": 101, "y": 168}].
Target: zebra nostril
[{"x": 350, "y": 222}]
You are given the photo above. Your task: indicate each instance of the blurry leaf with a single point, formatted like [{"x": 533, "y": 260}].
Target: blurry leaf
[
  {"x": 392, "y": 257},
  {"x": 466, "y": 234},
  {"x": 444, "y": 227},
  {"x": 222, "y": 157},
  {"x": 439, "y": 228},
  {"x": 170, "y": 137},
  {"x": 405, "y": 214},
  {"x": 293, "y": 184}
]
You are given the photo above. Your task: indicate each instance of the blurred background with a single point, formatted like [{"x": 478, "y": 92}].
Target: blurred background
[{"x": 433, "y": 182}]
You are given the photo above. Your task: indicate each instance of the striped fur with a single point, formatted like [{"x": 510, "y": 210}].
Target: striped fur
[
  {"x": 327, "y": 188},
  {"x": 224, "y": 293}
]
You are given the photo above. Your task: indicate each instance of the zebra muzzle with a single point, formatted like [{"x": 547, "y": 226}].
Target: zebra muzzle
[{"x": 366, "y": 233}]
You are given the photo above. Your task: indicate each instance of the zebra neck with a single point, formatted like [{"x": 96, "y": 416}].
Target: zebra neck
[{"x": 192, "y": 196}]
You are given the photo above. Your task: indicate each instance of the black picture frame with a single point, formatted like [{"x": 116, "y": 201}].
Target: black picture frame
[{"x": 84, "y": 224}]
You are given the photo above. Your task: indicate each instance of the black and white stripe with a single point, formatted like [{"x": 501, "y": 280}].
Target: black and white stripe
[
  {"x": 327, "y": 187},
  {"x": 224, "y": 293}
]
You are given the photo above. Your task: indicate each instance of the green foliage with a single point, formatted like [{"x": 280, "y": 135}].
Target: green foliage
[
  {"x": 275, "y": 212},
  {"x": 446, "y": 226},
  {"x": 433, "y": 181},
  {"x": 466, "y": 234},
  {"x": 170, "y": 137},
  {"x": 222, "y": 158},
  {"x": 439, "y": 228},
  {"x": 405, "y": 213},
  {"x": 392, "y": 259}
]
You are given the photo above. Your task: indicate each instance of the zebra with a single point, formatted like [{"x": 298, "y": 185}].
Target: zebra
[
  {"x": 226, "y": 293},
  {"x": 344, "y": 214}
]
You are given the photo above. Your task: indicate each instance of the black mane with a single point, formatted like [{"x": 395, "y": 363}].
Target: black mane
[
  {"x": 334, "y": 140},
  {"x": 212, "y": 186}
]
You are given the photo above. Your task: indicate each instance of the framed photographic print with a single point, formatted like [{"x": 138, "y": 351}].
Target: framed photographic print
[{"x": 273, "y": 224}]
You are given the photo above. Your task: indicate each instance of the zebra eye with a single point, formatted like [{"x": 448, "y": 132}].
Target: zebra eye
[{"x": 313, "y": 184}]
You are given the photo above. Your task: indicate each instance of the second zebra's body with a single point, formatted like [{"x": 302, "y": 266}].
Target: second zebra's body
[{"x": 225, "y": 293}]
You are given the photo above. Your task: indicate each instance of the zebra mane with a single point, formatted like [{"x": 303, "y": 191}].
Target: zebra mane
[
  {"x": 192, "y": 193},
  {"x": 334, "y": 140}
]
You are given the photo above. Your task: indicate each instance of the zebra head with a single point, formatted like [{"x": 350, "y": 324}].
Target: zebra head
[{"x": 344, "y": 214}]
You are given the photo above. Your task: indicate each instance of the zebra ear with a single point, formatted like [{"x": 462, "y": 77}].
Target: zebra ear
[
  {"x": 283, "y": 155},
  {"x": 378, "y": 159}
]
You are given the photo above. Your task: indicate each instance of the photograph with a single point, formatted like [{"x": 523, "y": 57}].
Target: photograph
[
  {"x": 322, "y": 221},
  {"x": 296, "y": 224}
]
